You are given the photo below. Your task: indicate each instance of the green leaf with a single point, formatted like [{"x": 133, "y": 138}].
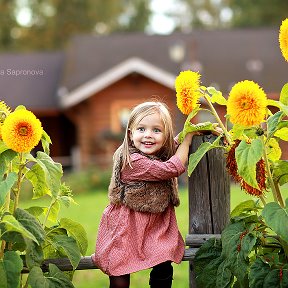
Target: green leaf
[
  {"x": 13, "y": 266},
  {"x": 6, "y": 185},
  {"x": 69, "y": 246},
  {"x": 34, "y": 254},
  {"x": 36, "y": 279},
  {"x": 258, "y": 271},
  {"x": 247, "y": 155},
  {"x": 276, "y": 218},
  {"x": 237, "y": 243},
  {"x": 284, "y": 108},
  {"x": 36, "y": 175},
  {"x": 224, "y": 275},
  {"x": 272, "y": 123},
  {"x": 280, "y": 171},
  {"x": 272, "y": 280},
  {"x": 46, "y": 141},
  {"x": 216, "y": 96},
  {"x": 274, "y": 103},
  {"x": 3, "y": 276},
  {"x": 53, "y": 172},
  {"x": 245, "y": 206},
  {"x": 282, "y": 133},
  {"x": 5, "y": 158},
  {"x": 273, "y": 150},
  {"x": 31, "y": 224},
  {"x": 187, "y": 123},
  {"x": 57, "y": 278},
  {"x": 77, "y": 231},
  {"x": 11, "y": 224},
  {"x": 54, "y": 211},
  {"x": 196, "y": 157},
  {"x": 284, "y": 95},
  {"x": 20, "y": 107},
  {"x": 206, "y": 263},
  {"x": 36, "y": 210},
  {"x": 3, "y": 147},
  {"x": 16, "y": 238}
]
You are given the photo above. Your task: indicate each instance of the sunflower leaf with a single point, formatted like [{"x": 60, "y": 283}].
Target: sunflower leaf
[
  {"x": 284, "y": 95},
  {"x": 284, "y": 108},
  {"x": 20, "y": 107},
  {"x": 275, "y": 216},
  {"x": 216, "y": 96},
  {"x": 247, "y": 155},
  {"x": 6, "y": 185},
  {"x": 273, "y": 150},
  {"x": 46, "y": 141},
  {"x": 273, "y": 122},
  {"x": 196, "y": 157},
  {"x": 280, "y": 171}
]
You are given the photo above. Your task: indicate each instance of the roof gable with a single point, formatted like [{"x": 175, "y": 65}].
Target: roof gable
[{"x": 115, "y": 74}]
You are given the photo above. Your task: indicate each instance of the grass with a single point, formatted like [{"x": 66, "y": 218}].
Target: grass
[{"x": 88, "y": 212}]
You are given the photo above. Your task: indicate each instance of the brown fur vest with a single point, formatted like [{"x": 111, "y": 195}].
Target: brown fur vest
[{"x": 142, "y": 196}]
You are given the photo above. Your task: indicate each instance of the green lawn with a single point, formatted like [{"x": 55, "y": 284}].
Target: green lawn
[{"x": 88, "y": 213}]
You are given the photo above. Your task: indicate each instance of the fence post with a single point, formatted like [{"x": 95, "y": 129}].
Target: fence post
[{"x": 209, "y": 196}]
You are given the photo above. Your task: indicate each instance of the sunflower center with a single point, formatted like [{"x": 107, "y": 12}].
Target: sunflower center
[
  {"x": 244, "y": 105},
  {"x": 23, "y": 131}
]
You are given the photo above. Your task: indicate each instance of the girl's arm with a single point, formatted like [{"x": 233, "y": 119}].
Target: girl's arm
[
  {"x": 183, "y": 148},
  {"x": 154, "y": 170}
]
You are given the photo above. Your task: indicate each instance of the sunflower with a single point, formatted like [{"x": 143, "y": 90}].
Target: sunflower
[
  {"x": 4, "y": 111},
  {"x": 246, "y": 104},
  {"x": 21, "y": 131},
  {"x": 187, "y": 85},
  {"x": 283, "y": 39}
]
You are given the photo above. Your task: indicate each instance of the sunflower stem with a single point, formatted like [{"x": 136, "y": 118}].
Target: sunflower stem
[
  {"x": 19, "y": 181},
  {"x": 214, "y": 112},
  {"x": 269, "y": 175},
  {"x": 3, "y": 245},
  {"x": 278, "y": 193},
  {"x": 48, "y": 212},
  {"x": 262, "y": 199},
  {"x": 6, "y": 209}
]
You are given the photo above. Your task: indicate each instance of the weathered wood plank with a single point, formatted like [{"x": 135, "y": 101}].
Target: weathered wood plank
[
  {"x": 196, "y": 240},
  {"x": 86, "y": 262},
  {"x": 209, "y": 196}
]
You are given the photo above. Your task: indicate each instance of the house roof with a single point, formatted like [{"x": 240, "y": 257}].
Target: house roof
[
  {"x": 114, "y": 74},
  {"x": 91, "y": 63},
  {"x": 31, "y": 79},
  {"x": 223, "y": 57}
]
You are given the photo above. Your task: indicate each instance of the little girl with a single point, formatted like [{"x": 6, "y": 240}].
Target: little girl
[{"x": 138, "y": 230}]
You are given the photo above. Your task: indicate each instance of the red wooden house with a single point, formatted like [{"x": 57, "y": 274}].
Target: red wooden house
[{"x": 83, "y": 95}]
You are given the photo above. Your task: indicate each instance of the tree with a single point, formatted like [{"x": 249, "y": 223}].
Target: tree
[
  {"x": 53, "y": 22},
  {"x": 8, "y": 23},
  {"x": 247, "y": 13},
  {"x": 234, "y": 13}
]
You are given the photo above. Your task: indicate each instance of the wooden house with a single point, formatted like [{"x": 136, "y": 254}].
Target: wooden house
[{"x": 83, "y": 95}]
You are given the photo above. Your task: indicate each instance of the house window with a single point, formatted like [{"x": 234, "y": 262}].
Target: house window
[
  {"x": 120, "y": 113},
  {"x": 124, "y": 118}
]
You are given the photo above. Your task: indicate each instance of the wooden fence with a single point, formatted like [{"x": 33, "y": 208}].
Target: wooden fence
[{"x": 209, "y": 208}]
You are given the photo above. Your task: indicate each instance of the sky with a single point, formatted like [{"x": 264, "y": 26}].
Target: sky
[{"x": 160, "y": 23}]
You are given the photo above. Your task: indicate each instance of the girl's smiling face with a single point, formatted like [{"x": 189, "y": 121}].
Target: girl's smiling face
[{"x": 148, "y": 136}]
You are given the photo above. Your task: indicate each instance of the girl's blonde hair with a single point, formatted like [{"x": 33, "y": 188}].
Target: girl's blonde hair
[{"x": 137, "y": 114}]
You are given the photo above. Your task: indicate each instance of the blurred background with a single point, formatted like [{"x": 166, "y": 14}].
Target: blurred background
[{"x": 81, "y": 65}]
